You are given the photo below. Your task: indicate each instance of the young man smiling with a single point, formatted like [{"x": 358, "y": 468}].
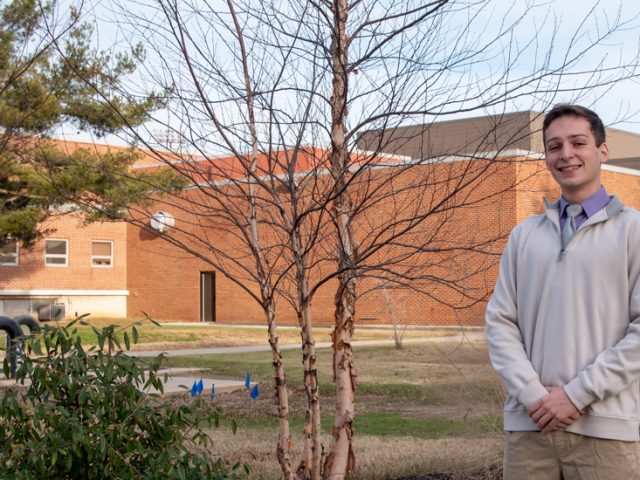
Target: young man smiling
[{"x": 563, "y": 325}]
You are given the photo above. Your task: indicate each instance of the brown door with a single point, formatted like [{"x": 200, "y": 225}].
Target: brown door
[{"x": 207, "y": 296}]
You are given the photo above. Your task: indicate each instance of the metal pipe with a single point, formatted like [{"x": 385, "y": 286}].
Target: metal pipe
[
  {"x": 29, "y": 321},
  {"x": 14, "y": 333}
]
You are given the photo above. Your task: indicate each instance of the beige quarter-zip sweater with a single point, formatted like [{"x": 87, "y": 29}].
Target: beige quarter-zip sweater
[{"x": 571, "y": 318}]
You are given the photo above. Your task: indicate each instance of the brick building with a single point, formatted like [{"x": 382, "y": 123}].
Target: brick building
[
  {"x": 448, "y": 286},
  {"x": 75, "y": 267}
]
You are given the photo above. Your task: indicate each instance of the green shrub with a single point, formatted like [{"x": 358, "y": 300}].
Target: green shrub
[{"x": 89, "y": 414}]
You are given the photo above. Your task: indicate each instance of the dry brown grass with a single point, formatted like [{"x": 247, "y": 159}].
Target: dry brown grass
[
  {"x": 378, "y": 458},
  {"x": 424, "y": 385},
  {"x": 198, "y": 335}
]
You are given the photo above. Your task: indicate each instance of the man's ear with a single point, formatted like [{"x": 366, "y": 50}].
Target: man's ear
[{"x": 604, "y": 152}]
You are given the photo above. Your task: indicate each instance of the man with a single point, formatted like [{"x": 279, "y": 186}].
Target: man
[{"x": 563, "y": 325}]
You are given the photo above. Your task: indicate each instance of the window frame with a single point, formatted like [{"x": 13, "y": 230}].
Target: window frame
[
  {"x": 15, "y": 256},
  {"x": 47, "y": 256},
  {"x": 103, "y": 257}
]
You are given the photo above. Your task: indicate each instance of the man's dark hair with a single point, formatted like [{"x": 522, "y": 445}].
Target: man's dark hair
[{"x": 565, "y": 109}]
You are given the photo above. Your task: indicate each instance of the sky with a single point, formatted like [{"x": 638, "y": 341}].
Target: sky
[
  {"x": 619, "y": 105},
  {"x": 543, "y": 30}
]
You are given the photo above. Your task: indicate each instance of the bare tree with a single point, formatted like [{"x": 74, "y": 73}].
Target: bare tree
[{"x": 284, "y": 92}]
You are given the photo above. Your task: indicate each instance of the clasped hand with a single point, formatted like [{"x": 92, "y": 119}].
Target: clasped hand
[{"x": 554, "y": 411}]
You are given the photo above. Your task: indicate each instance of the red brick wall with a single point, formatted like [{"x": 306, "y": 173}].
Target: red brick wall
[
  {"x": 32, "y": 274},
  {"x": 625, "y": 185},
  {"x": 455, "y": 281},
  {"x": 164, "y": 280}
]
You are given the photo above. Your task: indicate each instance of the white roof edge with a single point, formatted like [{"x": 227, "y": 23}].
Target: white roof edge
[
  {"x": 515, "y": 152},
  {"x": 403, "y": 160},
  {"x": 617, "y": 169},
  {"x": 158, "y": 163}
]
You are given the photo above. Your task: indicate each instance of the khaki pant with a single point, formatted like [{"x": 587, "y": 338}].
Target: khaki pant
[{"x": 562, "y": 455}]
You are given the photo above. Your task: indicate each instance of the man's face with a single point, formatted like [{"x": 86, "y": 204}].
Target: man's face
[{"x": 573, "y": 158}]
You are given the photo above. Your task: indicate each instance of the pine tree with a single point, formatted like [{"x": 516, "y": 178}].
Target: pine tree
[{"x": 49, "y": 75}]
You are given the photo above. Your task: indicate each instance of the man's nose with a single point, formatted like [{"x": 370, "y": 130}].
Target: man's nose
[{"x": 565, "y": 151}]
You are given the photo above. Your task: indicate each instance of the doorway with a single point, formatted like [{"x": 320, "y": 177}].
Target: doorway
[{"x": 207, "y": 296}]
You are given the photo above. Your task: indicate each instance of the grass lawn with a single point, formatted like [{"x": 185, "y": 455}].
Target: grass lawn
[
  {"x": 428, "y": 408},
  {"x": 197, "y": 335}
]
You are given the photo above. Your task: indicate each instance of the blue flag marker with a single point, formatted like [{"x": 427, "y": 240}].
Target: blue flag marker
[
  {"x": 247, "y": 382},
  {"x": 213, "y": 391},
  {"x": 254, "y": 392},
  {"x": 200, "y": 386},
  {"x": 194, "y": 389}
]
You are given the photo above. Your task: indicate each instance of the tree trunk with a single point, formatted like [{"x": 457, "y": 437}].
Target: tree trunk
[
  {"x": 266, "y": 290},
  {"x": 312, "y": 448},
  {"x": 282, "y": 397},
  {"x": 340, "y": 463},
  {"x": 309, "y": 468},
  {"x": 398, "y": 330}
]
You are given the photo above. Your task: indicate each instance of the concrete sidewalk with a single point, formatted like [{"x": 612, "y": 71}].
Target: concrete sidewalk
[{"x": 470, "y": 337}]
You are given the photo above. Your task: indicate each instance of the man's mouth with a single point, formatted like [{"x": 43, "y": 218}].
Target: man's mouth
[{"x": 569, "y": 168}]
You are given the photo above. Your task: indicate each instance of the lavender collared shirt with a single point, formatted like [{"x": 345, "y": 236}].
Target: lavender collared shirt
[{"x": 591, "y": 205}]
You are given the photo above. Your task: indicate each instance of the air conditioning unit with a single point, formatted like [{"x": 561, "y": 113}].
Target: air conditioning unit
[{"x": 51, "y": 312}]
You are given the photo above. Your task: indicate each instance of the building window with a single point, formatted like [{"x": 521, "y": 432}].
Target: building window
[
  {"x": 56, "y": 253},
  {"x": 101, "y": 253},
  {"x": 9, "y": 253}
]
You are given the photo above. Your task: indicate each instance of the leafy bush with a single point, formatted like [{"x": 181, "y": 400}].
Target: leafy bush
[{"x": 93, "y": 414}]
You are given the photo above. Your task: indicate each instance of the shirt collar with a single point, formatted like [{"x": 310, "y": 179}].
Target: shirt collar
[{"x": 591, "y": 205}]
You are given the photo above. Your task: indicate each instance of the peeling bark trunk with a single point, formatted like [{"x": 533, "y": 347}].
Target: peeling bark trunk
[
  {"x": 281, "y": 397},
  {"x": 281, "y": 393},
  {"x": 312, "y": 448},
  {"x": 340, "y": 463},
  {"x": 309, "y": 468}
]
